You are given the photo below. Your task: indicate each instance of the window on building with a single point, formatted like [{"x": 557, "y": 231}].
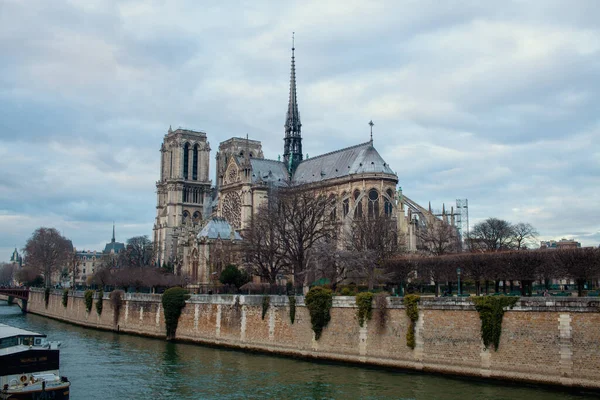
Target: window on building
[
  {"x": 333, "y": 213},
  {"x": 357, "y": 205},
  {"x": 373, "y": 203},
  {"x": 346, "y": 207},
  {"x": 186, "y": 157},
  {"x": 195, "y": 163}
]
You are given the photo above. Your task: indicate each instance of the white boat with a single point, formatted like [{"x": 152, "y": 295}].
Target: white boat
[{"x": 29, "y": 366}]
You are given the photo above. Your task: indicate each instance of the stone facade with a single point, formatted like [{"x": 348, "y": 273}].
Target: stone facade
[{"x": 544, "y": 341}]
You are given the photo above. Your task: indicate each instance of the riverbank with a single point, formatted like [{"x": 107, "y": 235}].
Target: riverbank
[{"x": 548, "y": 341}]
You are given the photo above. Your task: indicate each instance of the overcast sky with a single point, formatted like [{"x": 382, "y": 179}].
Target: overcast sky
[{"x": 493, "y": 101}]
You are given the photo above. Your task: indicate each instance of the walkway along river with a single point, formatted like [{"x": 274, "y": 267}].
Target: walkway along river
[{"x": 106, "y": 365}]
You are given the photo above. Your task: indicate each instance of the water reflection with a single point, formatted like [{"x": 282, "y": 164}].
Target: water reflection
[{"x": 105, "y": 365}]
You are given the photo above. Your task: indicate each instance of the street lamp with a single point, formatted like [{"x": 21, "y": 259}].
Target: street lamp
[{"x": 458, "y": 271}]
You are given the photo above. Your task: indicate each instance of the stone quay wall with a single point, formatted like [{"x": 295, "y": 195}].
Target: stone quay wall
[{"x": 544, "y": 340}]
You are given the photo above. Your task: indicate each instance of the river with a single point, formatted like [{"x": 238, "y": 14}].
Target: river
[{"x": 105, "y": 365}]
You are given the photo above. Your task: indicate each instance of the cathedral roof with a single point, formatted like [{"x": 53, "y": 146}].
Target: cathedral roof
[
  {"x": 359, "y": 159},
  {"x": 269, "y": 171},
  {"x": 218, "y": 227}
]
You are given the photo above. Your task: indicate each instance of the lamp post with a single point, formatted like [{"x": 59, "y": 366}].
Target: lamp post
[{"x": 458, "y": 271}]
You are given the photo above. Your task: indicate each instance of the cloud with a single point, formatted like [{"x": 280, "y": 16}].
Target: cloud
[{"x": 496, "y": 103}]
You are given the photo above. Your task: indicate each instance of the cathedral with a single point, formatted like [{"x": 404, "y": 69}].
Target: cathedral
[{"x": 197, "y": 223}]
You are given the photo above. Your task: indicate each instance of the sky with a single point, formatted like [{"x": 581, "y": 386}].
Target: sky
[{"x": 491, "y": 101}]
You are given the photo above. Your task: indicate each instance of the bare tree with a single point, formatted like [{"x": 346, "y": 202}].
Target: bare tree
[
  {"x": 46, "y": 251},
  {"x": 581, "y": 265},
  {"x": 139, "y": 252},
  {"x": 375, "y": 236},
  {"x": 493, "y": 234},
  {"x": 7, "y": 273},
  {"x": 523, "y": 233},
  {"x": 337, "y": 264},
  {"x": 438, "y": 239},
  {"x": 73, "y": 263},
  {"x": 303, "y": 221},
  {"x": 263, "y": 245}
]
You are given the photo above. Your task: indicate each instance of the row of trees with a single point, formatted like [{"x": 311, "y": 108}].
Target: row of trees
[
  {"x": 297, "y": 233},
  {"x": 579, "y": 265},
  {"x": 48, "y": 255}
]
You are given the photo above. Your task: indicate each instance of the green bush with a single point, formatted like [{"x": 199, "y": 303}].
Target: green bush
[
  {"x": 173, "y": 301},
  {"x": 116, "y": 298},
  {"x": 99, "y": 302},
  {"x": 412, "y": 311},
  {"x": 231, "y": 275},
  {"x": 491, "y": 312},
  {"x": 46, "y": 296},
  {"x": 364, "y": 302},
  {"x": 319, "y": 301},
  {"x": 346, "y": 291},
  {"x": 266, "y": 300},
  {"x": 65, "y": 298},
  {"x": 88, "y": 296},
  {"x": 292, "y": 308}
]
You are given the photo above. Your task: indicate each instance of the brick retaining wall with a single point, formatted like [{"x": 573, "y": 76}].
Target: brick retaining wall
[{"x": 544, "y": 340}]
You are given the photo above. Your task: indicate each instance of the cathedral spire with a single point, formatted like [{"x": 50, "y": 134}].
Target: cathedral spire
[
  {"x": 113, "y": 237},
  {"x": 292, "y": 153}
]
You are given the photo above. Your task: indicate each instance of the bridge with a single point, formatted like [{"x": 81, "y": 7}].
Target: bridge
[{"x": 17, "y": 293}]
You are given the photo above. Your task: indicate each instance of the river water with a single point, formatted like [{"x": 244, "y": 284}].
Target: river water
[{"x": 105, "y": 365}]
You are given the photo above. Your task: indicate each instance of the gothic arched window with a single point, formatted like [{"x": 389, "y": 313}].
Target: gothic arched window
[
  {"x": 197, "y": 217},
  {"x": 186, "y": 217},
  {"x": 186, "y": 157},
  {"x": 345, "y": 207},
  {"x": 195, "y": 163},
  {"x": 373, "y": 203}
]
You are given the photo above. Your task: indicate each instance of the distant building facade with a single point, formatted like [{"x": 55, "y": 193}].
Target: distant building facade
[{"x": 561, "y": 244}]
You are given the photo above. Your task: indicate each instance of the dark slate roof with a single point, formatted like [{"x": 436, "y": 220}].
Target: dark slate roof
[
  {"x": 116, "y": 246},
  {"x": 359, "y": 159},
  {"x": 218, "y": 227},
  {"x": 269, "y": 171}
]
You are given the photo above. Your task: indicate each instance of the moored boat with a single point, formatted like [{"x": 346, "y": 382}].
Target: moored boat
[{"x": 29, "y": 366}]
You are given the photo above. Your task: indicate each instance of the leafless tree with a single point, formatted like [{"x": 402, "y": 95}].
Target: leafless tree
[
  {"x": 263, "y": 246},
  {"x": 7, "y": 273},
  {"x": 139, "y": 252},
  {"x": 523, "y": 233},
  {"x": 46, "y": 251},
  {"x": 337, "y": 264},
  {"x": 28, "y": 276},
  {"x": 303, "y": 221},
  {"x": 375, "y": 236},
  {"x": 73, "y": 263},
  {"x": 580, "y": 264},
  {"x": 438, "y": 238},
  {"x": 401, "y": 268},
  {"x": 493, "y": 234}
]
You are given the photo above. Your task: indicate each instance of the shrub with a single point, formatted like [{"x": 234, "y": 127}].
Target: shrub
[
  {"x": 116, "y": 298},
  {"x": 231, "y": 275},
  {"x": 266, "y": 300},
  {"x": 382, "y": 309},
  {"x": 365, "y": 311},
  {"x": 65, "y": 298},
  {"x": 88, "y": 296},
  {"x": 46, "y": 296},
  {"x": 319, "y": 301},
  {"x": 491, "y": 312},
  {"x": 99, "y": 302},
  {"x": 292, "y": 308},
  {"x": 412, "y": 311},
  {"x": 346, "y": 291},
  {"x": 173, "y": 301}
]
